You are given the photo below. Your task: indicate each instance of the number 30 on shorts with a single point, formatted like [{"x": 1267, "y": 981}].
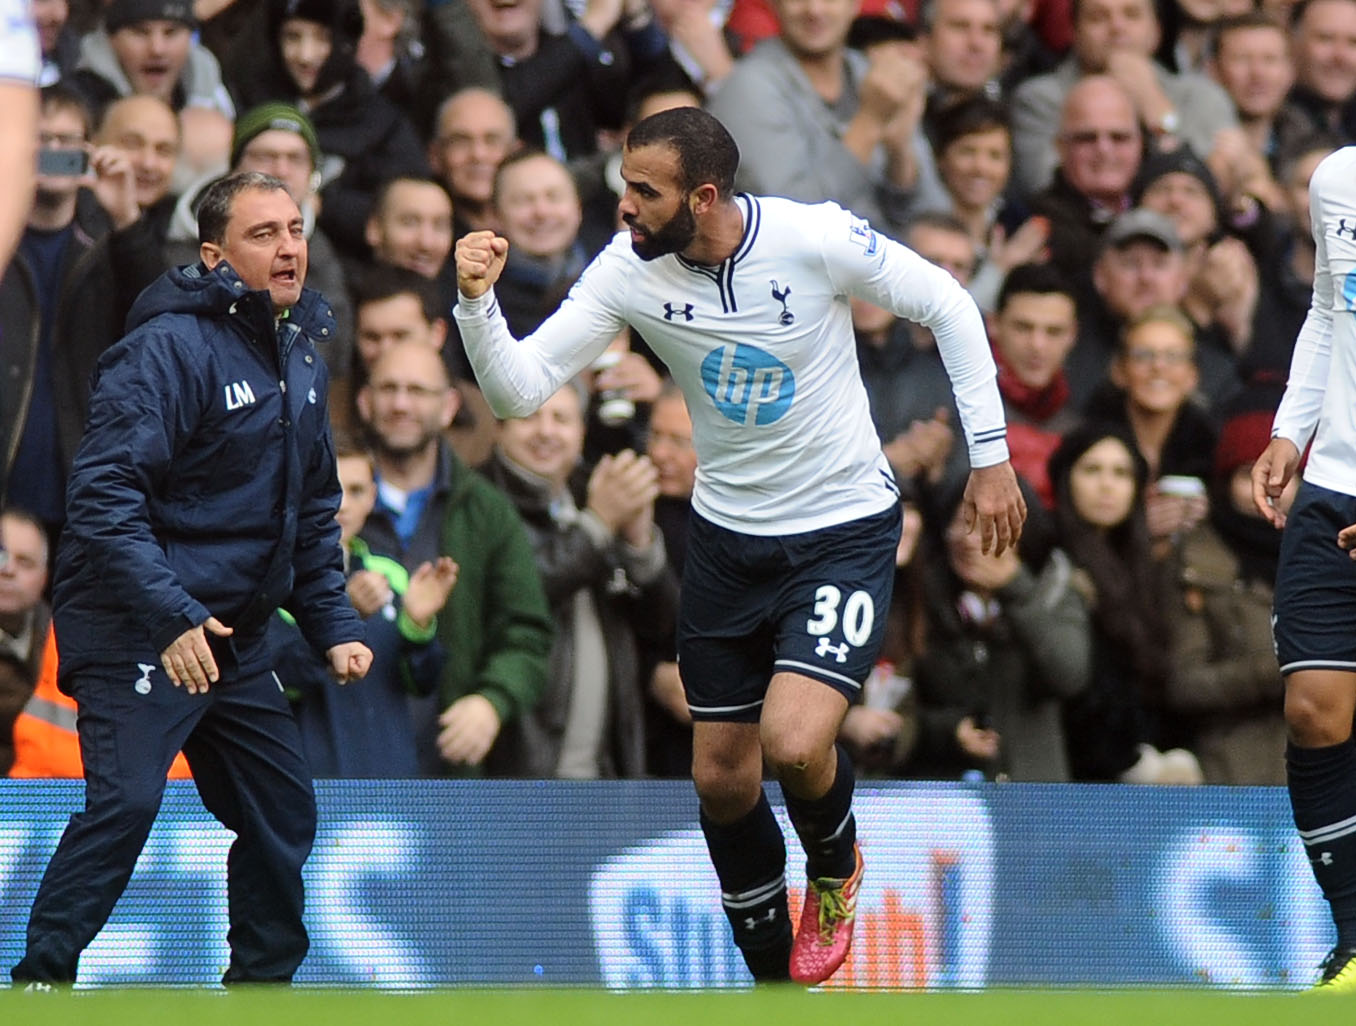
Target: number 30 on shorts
[{"x": 858, "y": 617}]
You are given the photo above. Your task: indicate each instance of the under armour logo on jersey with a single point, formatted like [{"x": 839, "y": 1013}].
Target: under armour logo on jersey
[
  {"x": 780, "y": 294},
  {"x": 238, "y": 394},
  {"x": 671, "y": 311},
  {"x": 1342, "y": 229},
  {"x": 840, "y": 652},
  {"x": 143, "y": 683}
]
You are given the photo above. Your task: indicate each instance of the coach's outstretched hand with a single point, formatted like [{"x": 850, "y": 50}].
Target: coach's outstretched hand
[
  {"x": 994, "y": 504},
  {"x": 480, "y": 261}
]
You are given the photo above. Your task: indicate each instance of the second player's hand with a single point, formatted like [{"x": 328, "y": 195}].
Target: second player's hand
[
  {"x": 1346, "y": 539},
  {"x": 1270, "y": 474},
  {"x": 993, "y": 503},
  {"x": 480, "y": 261}
]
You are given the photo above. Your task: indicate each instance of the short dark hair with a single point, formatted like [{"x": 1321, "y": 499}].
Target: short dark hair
[
  {"x": 24, "y": 516},
  {"x": 1035, "y": 279},
  {"x": 1240, "y": 22},
  {"x": 214, "y": 209},
  {"x": 707, "y": 153},
  {"x": 1076, "y": 11},
  {"x": 384, "y": 190},
  {"x": 349, "y": 444},
  {"x": 386, "y": 281},
  {"x": 59, "y": 96},
  {"x": 970, "y": 116}
]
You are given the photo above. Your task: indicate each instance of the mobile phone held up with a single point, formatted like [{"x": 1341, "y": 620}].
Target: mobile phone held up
[{"x": 71, "y": 163}]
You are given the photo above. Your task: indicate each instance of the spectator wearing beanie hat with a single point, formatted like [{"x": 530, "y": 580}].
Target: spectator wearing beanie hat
[
  {"x": 363, "y": 138},
  {"x": 279, "y": 140},
  {"x": 147, "y": 46},
  {"x": 1223, "y": 284},
  {"x": 1224, "y": 687}
]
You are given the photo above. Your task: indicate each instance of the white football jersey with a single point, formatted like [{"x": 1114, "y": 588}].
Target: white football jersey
[
  {"x": 1321, "y": 392},
  {"x": 20, "y": 55},
  {"x": 762, "y": 347}
]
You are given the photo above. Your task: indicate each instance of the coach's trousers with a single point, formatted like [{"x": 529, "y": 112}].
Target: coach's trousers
[{"x": 245, "y": 753}]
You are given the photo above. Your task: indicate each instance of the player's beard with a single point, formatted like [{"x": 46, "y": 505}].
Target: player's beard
[{"x": 673, "y": 236}]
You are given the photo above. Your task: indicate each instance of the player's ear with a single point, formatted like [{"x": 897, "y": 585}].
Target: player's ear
[{"x": 703, "y": 198}]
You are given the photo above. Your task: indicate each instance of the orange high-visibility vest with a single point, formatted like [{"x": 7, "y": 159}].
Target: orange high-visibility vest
[{"x": 45, "y": 741}]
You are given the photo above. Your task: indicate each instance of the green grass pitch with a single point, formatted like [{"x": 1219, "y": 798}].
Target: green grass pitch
[{"x": 788, "y": 1006}]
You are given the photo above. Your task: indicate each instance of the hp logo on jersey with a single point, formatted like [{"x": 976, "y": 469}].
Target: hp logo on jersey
[{"x": 748, "y": 386}]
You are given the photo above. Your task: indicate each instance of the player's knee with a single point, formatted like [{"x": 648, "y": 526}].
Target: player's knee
[
  {"x": 791, "y": 753},
  {"x": 725, "y": 787},
  {"x": 1314, "y": 720}
]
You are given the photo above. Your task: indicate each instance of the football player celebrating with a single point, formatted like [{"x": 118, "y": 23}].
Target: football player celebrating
[{"x": 796, "y": 513}]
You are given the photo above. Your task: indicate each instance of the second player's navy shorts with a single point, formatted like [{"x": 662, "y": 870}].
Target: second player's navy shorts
[
  {"x": 1314, "y": 611},
  {"x": 812, "y": 603}
]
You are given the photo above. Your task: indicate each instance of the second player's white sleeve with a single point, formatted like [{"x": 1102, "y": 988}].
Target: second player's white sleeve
[
  {"x": 518, "y": 375},
  {"x": 1302, "y": 403},
  {"x": 864, "y": 263}
]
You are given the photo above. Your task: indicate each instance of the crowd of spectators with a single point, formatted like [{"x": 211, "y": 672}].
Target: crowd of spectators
[{"x": 1120, "y": 184}]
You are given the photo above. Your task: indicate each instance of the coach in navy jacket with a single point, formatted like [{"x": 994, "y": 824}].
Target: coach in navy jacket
[
  {"x": 203, "y": 488},
  {"x": 202, "y": 496}
]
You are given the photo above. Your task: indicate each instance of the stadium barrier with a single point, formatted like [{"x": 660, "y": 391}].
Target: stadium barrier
[{"x": 437, "y": 883}]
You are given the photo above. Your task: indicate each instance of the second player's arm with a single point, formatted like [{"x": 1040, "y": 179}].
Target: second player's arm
[
  {"x": 518, "y": 375},
  {"x": 1302, "y": 404},
  {"x": 867, "y": 264}
]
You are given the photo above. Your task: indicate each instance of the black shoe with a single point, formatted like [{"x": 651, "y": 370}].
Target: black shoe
[{"x": 1338, "y": 972}]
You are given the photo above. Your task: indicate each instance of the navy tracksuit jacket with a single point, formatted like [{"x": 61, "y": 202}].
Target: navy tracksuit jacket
[{"x": 205, "y": 485}]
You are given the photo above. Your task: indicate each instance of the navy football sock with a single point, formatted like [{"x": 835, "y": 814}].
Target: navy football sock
[
  {"x": 1323, "y": 797},
  {"x": 750, "y": 859},
  {"x": 826, "y": 825}
]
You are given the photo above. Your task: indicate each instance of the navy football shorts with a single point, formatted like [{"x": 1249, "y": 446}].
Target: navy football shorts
[
  {"x": 812, "y": 603},
  {"x": 1313, "y": 618}
]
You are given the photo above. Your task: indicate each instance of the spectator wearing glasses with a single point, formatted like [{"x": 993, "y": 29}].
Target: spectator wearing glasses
[
  {"x": 1099, "y": 146},
  {"x": 1117, "y": 38},
  {"x": 1153, "y": 384}
]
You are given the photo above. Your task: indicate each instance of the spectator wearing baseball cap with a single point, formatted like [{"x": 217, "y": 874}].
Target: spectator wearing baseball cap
[
  {"x": 1142, "y": 264},
  {"x": 147, "y": 46},
  {"x": 1223, "y": 284},
  {"x": 363, "y": 138}
]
